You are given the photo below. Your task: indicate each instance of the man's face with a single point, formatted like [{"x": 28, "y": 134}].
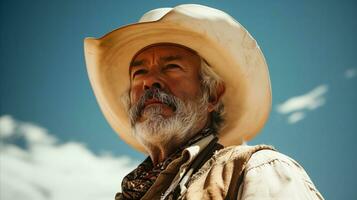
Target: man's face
[
  {"x": 166, "y": 101},
  {"x": 171, "y": 68}
]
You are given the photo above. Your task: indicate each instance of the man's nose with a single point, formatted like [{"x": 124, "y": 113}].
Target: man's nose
[{"x": 152, "y": 81}]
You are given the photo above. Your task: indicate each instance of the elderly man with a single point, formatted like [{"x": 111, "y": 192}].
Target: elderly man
[{"x": 163, "y": 84}]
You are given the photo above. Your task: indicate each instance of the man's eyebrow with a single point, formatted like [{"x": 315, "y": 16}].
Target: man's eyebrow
[
  {"x": 136, "y": 63},
  {"x": 171, "y": 58}
]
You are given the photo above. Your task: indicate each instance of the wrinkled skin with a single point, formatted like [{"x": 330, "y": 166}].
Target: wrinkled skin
[{"x": 173, "y": 69}]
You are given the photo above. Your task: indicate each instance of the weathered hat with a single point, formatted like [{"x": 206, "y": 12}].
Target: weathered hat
[{"x": 226, "y": 46}]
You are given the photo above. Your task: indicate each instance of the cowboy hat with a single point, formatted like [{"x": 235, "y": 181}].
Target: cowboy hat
[{"x": 226, "y": 46}]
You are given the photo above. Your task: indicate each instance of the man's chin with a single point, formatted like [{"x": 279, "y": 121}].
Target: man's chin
[
  {"x": 152, "y": 117},
  {"x": 160, "y": 111}
]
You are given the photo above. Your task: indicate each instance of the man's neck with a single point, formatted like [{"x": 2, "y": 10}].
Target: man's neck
[{"x": 160, "y": 152}]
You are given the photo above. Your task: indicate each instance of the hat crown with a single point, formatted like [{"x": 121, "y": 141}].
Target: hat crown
[
  {"x": 192, "y": 11},
  {"x": 154, "y": 15}
]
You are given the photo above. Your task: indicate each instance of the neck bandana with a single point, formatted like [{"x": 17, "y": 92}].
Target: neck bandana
[{"x": 138, "y": 182}]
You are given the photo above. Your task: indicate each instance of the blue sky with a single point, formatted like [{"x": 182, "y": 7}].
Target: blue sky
[{"x": 310, "y": 47}]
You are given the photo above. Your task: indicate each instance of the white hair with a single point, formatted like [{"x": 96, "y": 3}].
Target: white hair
[{"x": 210, "y": 81}]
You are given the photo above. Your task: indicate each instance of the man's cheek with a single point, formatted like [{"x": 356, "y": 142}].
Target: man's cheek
[{"x": 134, "y": 98}]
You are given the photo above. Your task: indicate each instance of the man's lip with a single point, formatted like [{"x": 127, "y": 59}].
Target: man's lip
[{"x": 152, "y": 101}]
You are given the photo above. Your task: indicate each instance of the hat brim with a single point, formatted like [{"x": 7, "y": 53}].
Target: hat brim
[{"x": 240, "y": 64}]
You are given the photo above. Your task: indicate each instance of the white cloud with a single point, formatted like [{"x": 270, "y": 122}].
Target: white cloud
[
  {"x": 36, "y": 135},
  {"x": 297, "y": 106},
  {"x": 350, "y": 73},
  {"x": 7, "y": 126},
  {"x": 50, "y": 170},
  {"x": 295, "y": 117}
]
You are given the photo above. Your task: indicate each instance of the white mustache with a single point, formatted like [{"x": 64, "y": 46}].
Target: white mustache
[{"x": 152, "y": 93}]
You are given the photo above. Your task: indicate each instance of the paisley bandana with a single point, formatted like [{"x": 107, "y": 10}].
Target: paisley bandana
[{"x": 138, "y": 182}]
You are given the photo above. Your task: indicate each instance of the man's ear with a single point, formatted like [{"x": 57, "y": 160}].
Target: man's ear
[{"x": 214, "y": 98}]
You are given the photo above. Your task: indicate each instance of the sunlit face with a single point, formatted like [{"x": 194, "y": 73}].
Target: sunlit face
[
  {"x": 166, "y": 101},
  {"x": 172, "y": 68}
]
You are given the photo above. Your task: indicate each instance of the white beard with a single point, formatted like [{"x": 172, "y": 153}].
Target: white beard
[{"x": 180, "y": 127}]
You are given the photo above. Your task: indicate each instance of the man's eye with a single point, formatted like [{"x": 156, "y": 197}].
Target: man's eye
[
  {"x": 139, "y": 72},
  {"x": 172, "y": 66}
]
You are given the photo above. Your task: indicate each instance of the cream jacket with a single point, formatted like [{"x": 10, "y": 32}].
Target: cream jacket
[{"x": 272, "y": 175}]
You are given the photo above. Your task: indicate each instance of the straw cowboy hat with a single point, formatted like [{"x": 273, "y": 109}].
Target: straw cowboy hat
[{"x": 226, "y": 46}]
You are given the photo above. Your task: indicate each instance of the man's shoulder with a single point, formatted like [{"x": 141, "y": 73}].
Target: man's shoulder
[
  {"x": 277, "y": 173},
  {"x": 242, "y": 152},
  {"x": 269, "y": 156},
  {"x": 257, "y": 155}
]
